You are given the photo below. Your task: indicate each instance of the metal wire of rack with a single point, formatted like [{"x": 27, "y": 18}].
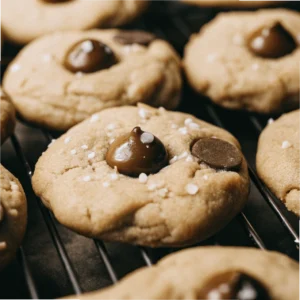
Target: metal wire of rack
[{"x": 114, "y": 261}]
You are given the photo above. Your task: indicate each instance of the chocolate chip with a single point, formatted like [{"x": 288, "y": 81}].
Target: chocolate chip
[
  {"x": 89, "y": 56},
  {"x": 134, "y": 37},
  {"x": 233, "y": 285},
  {"x": 272, "y": 42},
  {"x": 137, "y": 152},
  {"x": 217, "y": 154}
]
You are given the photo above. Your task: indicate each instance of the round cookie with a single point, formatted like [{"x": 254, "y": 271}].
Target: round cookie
[
  {"x": 23, "y": 21},
  {"x": 13, "y": 215},
  {"x": 7, "y": 116},
  {"x": 277, "y": 160},
  {"x": 231, "y": 3},
  {"x": 78, "y": 179},
  {"x": 117, "y": 68},
  {"x": 247, "y": 60},
  {"x": 270, "y": 275}
]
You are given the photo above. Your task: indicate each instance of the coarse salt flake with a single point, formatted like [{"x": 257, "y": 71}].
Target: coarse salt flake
[
  {"x": 188, "y": 121},
  {"x": 143, "y": 178},
  {"x": 270, "y": 121},
  {"x": 73, "y": 151},
  {"x": 67, "y": 140},
  {"x": 191, "y": 189},
  {"x": 147, "y": 138},
  {"x": 84, "y": 147},
  {"x": 15, "y": 67},
  {"x": 87, "y": 178},
  {"x": 173, "y": 160},
  {"x": 183, "y": 130},
  {"x": 87, "y": 46},
  {"x": 91, "y": 155},
  {"x": 106, "y": 184},
  {"x": 286, "y": 144},
  {"x": 144, "y": 114},
  {"x": 94, "y": 118},
  {"x": 163, "y": 192}
]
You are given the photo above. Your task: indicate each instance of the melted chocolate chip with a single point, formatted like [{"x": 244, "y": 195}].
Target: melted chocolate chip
[
  {"x": 134, "y": 37},
  {"x": 89, "y": 56},
  {"x": 217, "y": 154},
  {"x": 137, "y": 152},
  {"x": 233, "y": 285},
  {"x": 272, "y": 42}
]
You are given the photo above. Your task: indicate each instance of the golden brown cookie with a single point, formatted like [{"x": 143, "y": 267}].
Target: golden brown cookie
[
  {"x": 142, "y": 175},
  {"x": 210, "y": 273},
  {"x": 61, "y": 79},
  {"x": 277, "y": 159}
]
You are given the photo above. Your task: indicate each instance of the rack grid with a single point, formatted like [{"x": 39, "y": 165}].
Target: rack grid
[{"x": 174, "y": 22}]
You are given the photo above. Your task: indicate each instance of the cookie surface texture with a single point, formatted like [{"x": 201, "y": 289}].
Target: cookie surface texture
[
  {"x": 277, "y": 160},
  {"x": 13, "y": 216},
  {"x": 48, "y": 88},
  {"x": 277, "y": 273},
  {"x": 179, "y": 202},
  {"x": 23, "y": 21},
  {"x": 237, "y": 61}
]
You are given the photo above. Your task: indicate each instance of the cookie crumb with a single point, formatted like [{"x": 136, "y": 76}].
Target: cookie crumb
[
  {"x": 143, "y": 178},
  {"x": 183, "y": 130},
  {"x": 106, "y": 184},
  {"x": 94, "y": 118},
  {"x": 84, "y": 147},
  {"x": 91, "y": 155},
  {"x": 286, "y": 144},
  {"x": 73, "y": 151},
  {"x": 191, "y": 189},
  {"x": 3, "y": 245},
  {"x": 67, "y": 140},
  {"x": 87, "y": 178}
]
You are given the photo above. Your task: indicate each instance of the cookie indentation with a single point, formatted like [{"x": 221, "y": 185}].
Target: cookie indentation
[
  {"x": 217, "y": 153},
  {"x": 137, "y": 152},
  {"x": 233, "y": 285},
  {"x": 272, "y": 42},
  {"x": 89, "y": 56},
  {"x": 134, "y": 37}
]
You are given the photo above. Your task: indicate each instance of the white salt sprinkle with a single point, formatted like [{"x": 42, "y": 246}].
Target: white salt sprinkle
[
  {"x": 191, "y": 189},
  {"x": 14, "y": 186},
  {"x": 183, "y": 130},
  {"x": 183, "y": 155},
  {"x": 114, "y": 176},
  {"x": 15, "y": 67},
  {"x": 143, "y": 178},
  {"x": 87, "y": 178},
  {"x": 163, "y": 192},
  {"x": 111, "y": 141},
  {"x": 188, "y": 121},
  {"x": 174, "y": 126},
  {"x": 270, "y": 121},
  {"x": 161, "y": 109},
  {"x": 144, "y": 114},
  {"x": 111, "y": 126},
  {"x": 286, "y": 144},
  {"x": 67, "y": 140},
  {"x": 205, "y": 177},
  {"x": 91, "y": 155},
  {"x": 47, "y": 57},
  {"x": 173, "y": 160},
  {"x": 94, "y": 118},
  {"x": 194, "y": 126},
  {"x": 106, "y": 184},
  {"x": 189, "y": 158},
  {"x": 84, "y": 147},
  {"x": 152, "y": 187},
  {"x": 78, "y": 74},
  {"x": 73, "y": 151},
  {"x": 255, "y": 67}
]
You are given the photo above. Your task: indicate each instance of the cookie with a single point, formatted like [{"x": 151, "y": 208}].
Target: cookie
[
  {"x": 7, "y": 116},
  {"x": 23, "y": 21},
  {"x": 277, "y": 159},
  {"x": 13, "y": 216},
  {"x": 247, "y": 60},
  {"x": 61, "y": 79},
  {"x": 212, "y": 273},
  {"x": 231, "y": 3},
  {"x": 142, "y": 175}
]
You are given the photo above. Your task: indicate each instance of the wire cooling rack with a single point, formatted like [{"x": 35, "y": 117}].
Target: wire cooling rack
[{"x": 54, "y": 262}]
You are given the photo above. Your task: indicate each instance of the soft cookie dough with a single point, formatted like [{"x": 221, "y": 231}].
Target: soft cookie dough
[
  {"x": 23, "y": 21},
  {"x": 220, "y": 64},
  {"x": 137, "y": 67},
  {"x": 13, "y": 215},
  {"x": 277, "y": 159},
  {"x": 185, "y": 274},
  {"x": 231, "y": 3},
  {"x": 184, "y": 202},
  {"x": 7, "y": 116}
]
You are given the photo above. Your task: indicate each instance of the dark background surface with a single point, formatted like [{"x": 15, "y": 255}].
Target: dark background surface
[{"x": 174, "y": 22}]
